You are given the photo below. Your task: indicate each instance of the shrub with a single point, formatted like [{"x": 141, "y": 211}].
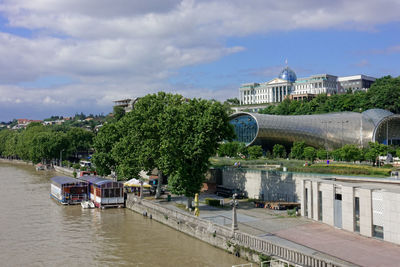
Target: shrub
[
  {"x": 76, "y": 166},
  {"x": 255, "y": 152},
  {"x": 212, "y": 202},
  {"x": 279, "y": 151},
  {"x": 309, "y": 153},
  {"x": 298, "y": 150}
]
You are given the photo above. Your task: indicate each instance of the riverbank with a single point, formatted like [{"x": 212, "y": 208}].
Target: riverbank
[
  {"x": 16, "y": 161},
  {"x": 239, "y": 243}
]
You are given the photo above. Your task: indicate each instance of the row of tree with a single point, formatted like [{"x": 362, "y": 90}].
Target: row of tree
[
  {"x": 299, "y": 150},
  {"x": 38, "y": 143},
  {"x": 168, "y": 132},
  {"x": 384, "y": 93}
]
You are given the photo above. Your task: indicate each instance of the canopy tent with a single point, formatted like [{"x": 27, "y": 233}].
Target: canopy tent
[{"x": 136, "y": 183}]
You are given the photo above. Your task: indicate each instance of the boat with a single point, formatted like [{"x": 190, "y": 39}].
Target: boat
[
  {"x": 40, "y": 167},
  {"x": 104, "y": 192},
  {"x": 87, "y": 205},
  {"x": 68, "y": 190}
]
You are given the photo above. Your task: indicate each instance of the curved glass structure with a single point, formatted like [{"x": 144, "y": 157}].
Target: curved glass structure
[
  {"x": 245, "y": 128},
  {"x": 288, "y": 74},
  {"x": 330, "y": 131}
]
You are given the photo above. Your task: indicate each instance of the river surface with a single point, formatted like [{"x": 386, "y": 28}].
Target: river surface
[{"x": 37, "y": 231}]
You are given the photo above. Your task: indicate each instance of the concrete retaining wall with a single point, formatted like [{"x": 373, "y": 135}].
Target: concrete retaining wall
[
  {"x": 222, "y": 237},
  {"x": 66, "y": 171}
]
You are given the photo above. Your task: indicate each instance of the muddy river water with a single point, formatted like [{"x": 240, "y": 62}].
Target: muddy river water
[{"x": 37, "y": 231}]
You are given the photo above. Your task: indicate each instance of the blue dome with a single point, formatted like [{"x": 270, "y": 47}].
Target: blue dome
[{"x": 288, "y": 74}]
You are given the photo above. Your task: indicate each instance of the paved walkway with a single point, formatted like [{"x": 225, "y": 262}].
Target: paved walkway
[
  {"x": 303, "y": 234},
  {"x": 348, "y": 246}
]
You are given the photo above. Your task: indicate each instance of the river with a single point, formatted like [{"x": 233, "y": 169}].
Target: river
[{"x": 37, "y": 231}]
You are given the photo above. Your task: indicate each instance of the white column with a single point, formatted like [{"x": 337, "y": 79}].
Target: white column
[
  {"x": 365, "y": 212},
  {"x": 348, "y": 208},
  {"x": 315, "y": 199}
]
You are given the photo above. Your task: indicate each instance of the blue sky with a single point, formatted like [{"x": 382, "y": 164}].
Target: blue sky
[{"x": 70, "y": 56}]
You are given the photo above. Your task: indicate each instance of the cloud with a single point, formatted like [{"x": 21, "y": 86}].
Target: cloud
[
  {"x": 132, "y": 47},
  {"x": 362, "y": 63}
]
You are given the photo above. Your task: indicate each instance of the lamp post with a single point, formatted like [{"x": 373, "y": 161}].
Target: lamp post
[
  {"x": 234, "y": 203},
  {"x": 61, "y": 156}
]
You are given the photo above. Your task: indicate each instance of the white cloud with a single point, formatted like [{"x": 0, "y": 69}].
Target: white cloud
[{"x": 131, "y": 47}]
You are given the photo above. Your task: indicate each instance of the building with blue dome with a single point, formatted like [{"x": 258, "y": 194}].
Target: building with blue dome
[
  {"x": 288, "y": 74},
  {"x": 287, "y": 85}
]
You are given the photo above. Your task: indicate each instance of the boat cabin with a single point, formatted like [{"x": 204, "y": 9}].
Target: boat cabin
[
  {"x": 68, "y": 190},
  {"x": 104, "y": 192}
]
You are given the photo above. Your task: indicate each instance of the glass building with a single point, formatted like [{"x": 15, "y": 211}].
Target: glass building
[{"x": 331, "y": 131}]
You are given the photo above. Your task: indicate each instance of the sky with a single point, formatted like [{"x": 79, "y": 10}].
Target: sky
[{"x": 62, "y": 57}]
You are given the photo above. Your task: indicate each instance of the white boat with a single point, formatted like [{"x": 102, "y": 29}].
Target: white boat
[{"x": 87, "y": 204}]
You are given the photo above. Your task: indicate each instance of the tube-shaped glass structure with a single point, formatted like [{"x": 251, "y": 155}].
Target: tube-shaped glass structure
[{"x": 330, "y": 131}]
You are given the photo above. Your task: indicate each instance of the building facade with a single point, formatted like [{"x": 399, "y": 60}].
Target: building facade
[
  {"x": 287, "y": 85},
  {"x": 361, "y": 206},
  {"x": 355, "y": 83}
]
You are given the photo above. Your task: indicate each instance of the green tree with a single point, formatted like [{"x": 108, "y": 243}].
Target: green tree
[
  {"x": 118, "y": 112},
  {"x": 385, "y": 93},
  {"x": 230, "y": 149},
  {"x": 103, "y": 144},
  {"x": 200, "y": 125},
  {"x": 322, "y": 154},
  {"x": 310, "y": 153},
  {"x": 79, "y": 140},
  {"x": 297, "y": 151},
  {"x": 351, "y": 153},
  {"x": 279, "y": 151},
  {"x": 255, "y": 152},
  {"x": 173, "y": 134},
  {"x": 375, "y": 150}
]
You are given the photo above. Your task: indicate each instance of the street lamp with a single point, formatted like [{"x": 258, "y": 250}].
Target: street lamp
[
  {"x": 61, "y": 156},
  {"x": 234, "y": 204}
]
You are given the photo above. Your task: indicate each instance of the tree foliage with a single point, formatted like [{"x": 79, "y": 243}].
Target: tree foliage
[
  {"x": 279, "y": 151},
  {"x": 310, "y": 153},
  {"x": 297, "y": 151},
  {"x": 231, "y": 149},
  {"x": 255, "y": 152},
  {"x": 168, "y": 132}
]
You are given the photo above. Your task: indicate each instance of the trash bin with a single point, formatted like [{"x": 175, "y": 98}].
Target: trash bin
[{"x": 168, "y": 197}]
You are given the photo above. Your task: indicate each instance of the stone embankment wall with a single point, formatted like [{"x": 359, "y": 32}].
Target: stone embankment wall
[
  {"x": 16, "y": 161},
  {"x": 246, "y": 245},
  {"x": 65, "y": 171}
]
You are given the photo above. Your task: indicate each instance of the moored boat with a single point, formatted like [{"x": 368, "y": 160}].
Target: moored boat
[{"x": 67, "y": 190}]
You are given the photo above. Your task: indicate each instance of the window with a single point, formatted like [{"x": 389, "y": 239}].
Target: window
[
  {"x": 377, "y": 231},
  {"x": 357, "y": 214},
  {"x": 320, "y": 205}
]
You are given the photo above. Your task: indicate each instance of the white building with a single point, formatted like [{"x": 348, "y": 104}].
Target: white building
[
  {"x": 355, "y": 83},
  {"x": 268, "y": 92},
  {"x": 287, "y": 84},
  {"x": 316, "y": 84}
]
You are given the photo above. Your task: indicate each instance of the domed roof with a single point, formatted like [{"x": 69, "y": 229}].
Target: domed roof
[{"x": 288, "y": 74}]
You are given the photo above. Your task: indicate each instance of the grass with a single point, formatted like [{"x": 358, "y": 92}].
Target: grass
[
  {"x": 344, "y": 169},
  {"x": 356, "y": 169}
]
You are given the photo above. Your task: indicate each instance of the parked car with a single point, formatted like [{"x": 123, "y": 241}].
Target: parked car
[{"x": 228, "y": 192}]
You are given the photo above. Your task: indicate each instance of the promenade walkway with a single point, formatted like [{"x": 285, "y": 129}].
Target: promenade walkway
[{"x": 303, "y": 234}]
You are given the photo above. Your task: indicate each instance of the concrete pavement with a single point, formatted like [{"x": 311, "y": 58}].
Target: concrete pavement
[{"x": 302, "y": 234}]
